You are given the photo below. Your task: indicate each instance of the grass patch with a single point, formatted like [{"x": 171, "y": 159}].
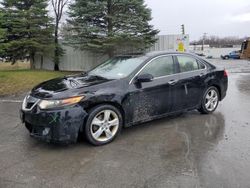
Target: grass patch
[
  {"x": 16, "y": 81},
  {"x": 17, "y": 66}
]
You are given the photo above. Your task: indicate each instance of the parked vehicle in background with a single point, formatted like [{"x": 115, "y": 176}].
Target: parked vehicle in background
[
  {"x": 245, "y": 49},
  {"x": 232, "y": 55},
  {"x": 200, "y": 54},
  {"x": 121, "y": 92}
]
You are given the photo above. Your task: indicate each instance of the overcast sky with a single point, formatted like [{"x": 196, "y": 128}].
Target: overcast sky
[{"x": 215, "y": 17}]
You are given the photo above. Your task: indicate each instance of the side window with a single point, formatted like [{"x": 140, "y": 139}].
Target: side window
[
  {"x": 187, "y": 63},
  {"x": 161, "y": 66}
]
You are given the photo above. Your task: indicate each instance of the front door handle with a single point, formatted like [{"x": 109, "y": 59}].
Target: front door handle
[{"x": 172, "y": 82}]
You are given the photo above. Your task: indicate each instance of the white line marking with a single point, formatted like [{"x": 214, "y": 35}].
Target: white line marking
[{"x": 11, "y": 101}]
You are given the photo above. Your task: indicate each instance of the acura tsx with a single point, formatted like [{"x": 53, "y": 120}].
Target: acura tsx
[{"x": 123, "y": 91}]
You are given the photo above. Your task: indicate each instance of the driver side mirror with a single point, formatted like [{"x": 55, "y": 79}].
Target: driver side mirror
[{"x": 144, "y": 78}]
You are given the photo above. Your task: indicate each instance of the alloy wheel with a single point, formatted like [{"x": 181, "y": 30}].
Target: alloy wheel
[
  {"x": 104, "y": 125},
  {"x": 211, "y": 100}
]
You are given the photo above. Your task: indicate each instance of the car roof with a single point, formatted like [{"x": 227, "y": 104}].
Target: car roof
[
  {"x": 154, "y": 54},
  {"x": 158, "y": 53}
]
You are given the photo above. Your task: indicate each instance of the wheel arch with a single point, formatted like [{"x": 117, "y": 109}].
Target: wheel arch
[
  {"x": 112, "y": 103},
  {"x": 217, "y": 86}
]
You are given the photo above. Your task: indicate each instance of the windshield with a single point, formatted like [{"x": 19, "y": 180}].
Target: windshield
[{"x": 118, "y": 67}]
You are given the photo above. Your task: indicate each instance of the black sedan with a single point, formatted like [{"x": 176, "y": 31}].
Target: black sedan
[{"x": 121, "y": 92}]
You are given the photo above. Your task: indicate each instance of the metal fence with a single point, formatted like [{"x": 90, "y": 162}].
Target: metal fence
[
  {"x": 76, "y": 60},
  {"x": 72, "y": 60}
]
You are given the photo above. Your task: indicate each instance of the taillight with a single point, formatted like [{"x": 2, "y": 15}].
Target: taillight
[{"x": 225, "y": 73}]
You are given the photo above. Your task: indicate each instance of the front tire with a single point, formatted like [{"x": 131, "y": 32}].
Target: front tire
[
  {"x": 103, "y": 125},
  {"x": 210, "y": 101}
]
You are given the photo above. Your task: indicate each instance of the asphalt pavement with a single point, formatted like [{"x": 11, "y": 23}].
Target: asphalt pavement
[{"x": 189, "y": 150}]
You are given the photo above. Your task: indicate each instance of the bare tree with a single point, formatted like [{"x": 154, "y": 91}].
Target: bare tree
[
  {"x": 58, "y": 7},
  {"x": 215, "y": 41}
]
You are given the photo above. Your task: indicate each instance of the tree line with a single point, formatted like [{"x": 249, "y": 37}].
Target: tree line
[
  {"x": 102, "y": 26},
  {"x": 215, "y": 41}
]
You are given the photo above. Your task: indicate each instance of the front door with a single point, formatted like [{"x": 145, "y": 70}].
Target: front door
[{"x": 151, "y": 99}]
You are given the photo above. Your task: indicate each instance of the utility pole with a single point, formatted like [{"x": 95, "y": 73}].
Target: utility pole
[
  {"x": 183, "y": 29},
  {"x": 203, "y": 41}
]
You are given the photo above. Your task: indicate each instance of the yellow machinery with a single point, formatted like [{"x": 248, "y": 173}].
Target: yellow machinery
[{"x": 245, "y": 49}]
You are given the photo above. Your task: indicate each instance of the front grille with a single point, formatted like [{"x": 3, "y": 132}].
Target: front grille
[{"x": 29, "y": 103}]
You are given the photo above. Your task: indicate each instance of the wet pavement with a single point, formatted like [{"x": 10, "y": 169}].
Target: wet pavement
[{"x": 190, "y": 150}]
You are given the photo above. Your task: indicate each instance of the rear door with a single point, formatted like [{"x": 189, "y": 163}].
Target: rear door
[{"x": 191, "y": 85}]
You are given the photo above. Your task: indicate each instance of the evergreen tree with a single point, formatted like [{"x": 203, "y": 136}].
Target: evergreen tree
[
  {"x": 106, "y": 25},
  {"x": 28, "y": 29},
  {"x": 2, "y": 32}
]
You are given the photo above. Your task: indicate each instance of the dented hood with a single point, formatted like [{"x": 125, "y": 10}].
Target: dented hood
[{"x": 66, "y": 86}]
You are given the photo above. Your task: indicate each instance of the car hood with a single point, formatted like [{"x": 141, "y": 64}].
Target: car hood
[{"x": 66, "y": 86}]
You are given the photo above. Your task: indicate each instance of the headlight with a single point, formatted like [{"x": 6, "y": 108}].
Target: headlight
[{"x": 46, "y": 104}]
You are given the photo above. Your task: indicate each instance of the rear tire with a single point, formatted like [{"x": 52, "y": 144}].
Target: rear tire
[
  {"x": 210, "y": 101},
  {"x": 103, "y": 124}
]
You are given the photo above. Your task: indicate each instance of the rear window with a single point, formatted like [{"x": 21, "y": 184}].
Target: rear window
[{"x": 188, "y": 64}]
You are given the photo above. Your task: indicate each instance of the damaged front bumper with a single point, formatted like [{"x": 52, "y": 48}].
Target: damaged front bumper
[{"x": 56, "y": 126}]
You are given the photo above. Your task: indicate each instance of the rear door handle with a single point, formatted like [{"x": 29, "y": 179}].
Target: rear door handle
[{"x": 172, "y": 82}]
